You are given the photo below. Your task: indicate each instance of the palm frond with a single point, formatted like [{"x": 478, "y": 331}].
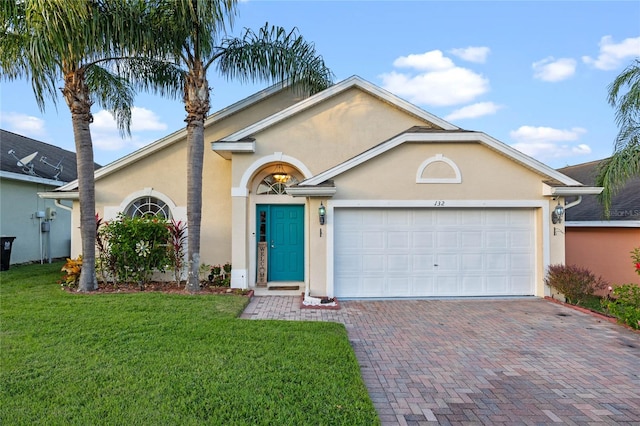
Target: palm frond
[
  {"x": 628, "y": 104},
  {"x": 274, "y": 54},
  {"x": 114, "y": 93},
  {"x": 614, "y": 172}
]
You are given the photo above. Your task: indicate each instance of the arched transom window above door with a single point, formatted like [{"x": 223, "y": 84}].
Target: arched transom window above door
[{"x": 276, "y": 181}]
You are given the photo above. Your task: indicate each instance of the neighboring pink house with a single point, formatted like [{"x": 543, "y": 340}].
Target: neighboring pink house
[{"x": 603, "y": 246}]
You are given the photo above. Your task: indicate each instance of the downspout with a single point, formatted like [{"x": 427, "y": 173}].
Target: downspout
[
  {"x": 308, "y": 259},
  {"x": 573, "y": 204},
  {"x": 62, "y": 206}
]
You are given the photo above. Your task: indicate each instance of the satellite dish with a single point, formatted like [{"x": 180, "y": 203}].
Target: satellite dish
[{"x": 24, "y": 162}]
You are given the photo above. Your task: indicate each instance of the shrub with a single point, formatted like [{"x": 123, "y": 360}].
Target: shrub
[
  {"x": 73, "y": 267},
  {"x": 625, "y": 305},
  {"x": 135, "y": 247},
  {"x": 635, "y": 257},
  {"x": 573, "y": 281},
  {"x": 176, "y": 252}
]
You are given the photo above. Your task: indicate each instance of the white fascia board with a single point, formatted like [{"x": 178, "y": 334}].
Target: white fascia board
[
  {"x": 603, "y": 224},
  {"x": 29, "y": 178},
  {"x": 331, "y": 91},
  {"x": 431, "y": 137},
  {"x": 440, "y": 204},
  {"x": 569, "y": 191},
  {"x": 59, "y": 195},
  {"x": 225, "y": 149},
  {"x": 313, "y": 191}
]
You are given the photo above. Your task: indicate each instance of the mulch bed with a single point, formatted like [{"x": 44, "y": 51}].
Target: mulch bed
[{"x": 163, "y": 287}]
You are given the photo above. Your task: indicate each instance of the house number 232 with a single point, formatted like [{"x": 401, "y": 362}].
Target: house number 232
[{"x": 438, "y": 203}]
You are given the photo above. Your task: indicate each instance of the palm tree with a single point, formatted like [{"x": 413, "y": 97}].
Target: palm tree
[
  {"x": 194, "y": 33},
  {"x": 624, "y": 164},
  {"x": 82, "y": 44}
]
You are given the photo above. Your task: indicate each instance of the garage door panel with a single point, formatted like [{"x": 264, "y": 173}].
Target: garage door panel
[
  {"x": 373, "y": 263},
  {"x": 471, "y": 240},
  {"x": 404, "y": 252},
  {"x": 497, "y": 284},
  {"x": 497, "y": 239},
  {"x": 521, "y": 239},
  {"x": 496, "y": 262},
  {"x": 373, "y": 286},
  {"x": 398, "y": 239},
  {"x": 372, "y": 240},
  {"x": 446, "y": 263},
  {"x": 447, "y": 239},
  {"x": 445, "y": 285},
  {"x": 473, "y": 284},
  {"x": 472, "y": 262},
  {"x": 399, "y": 218},
  {"x": 349, "y": 264},
  {"x": 423, "y": 263},
  {"x": 398, "y": 263},
  {"x": 349, "y": 240},
  {"x": 400, "y": 286},
  {"x": 423, "y": 240}
]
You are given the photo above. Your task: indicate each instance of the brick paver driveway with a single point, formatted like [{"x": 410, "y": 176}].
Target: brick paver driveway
[{"x": 511, "y": 361}]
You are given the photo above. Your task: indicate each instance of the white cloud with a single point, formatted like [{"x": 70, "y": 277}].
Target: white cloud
[
  {"x": 545, "y": 143},
  {"x": 613, "y": 55},
  {"x": 474, "y": 111},
  {"x": 105, "y": 135},
  {"x": 428, "y": 61},
  {"x": 551, "y": 69},
  {"x": 438, "y": 82},
  {"x": 472, "y": 54},
  {"x": 23, "y": 124},
  {"x": 142, "y": 120}
]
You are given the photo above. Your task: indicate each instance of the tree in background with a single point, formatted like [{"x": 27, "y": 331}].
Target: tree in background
[
  {"x": 624, "y": 164},
  {"x": 83, "y": 46},
  {"x": 193, "y": 33}
]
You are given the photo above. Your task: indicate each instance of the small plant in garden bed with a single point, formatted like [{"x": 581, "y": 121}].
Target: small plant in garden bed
[
  {"x": 574, "y": 282},
  {"x": 624, "y": 304},
  {"x": 73, "y": 267}
]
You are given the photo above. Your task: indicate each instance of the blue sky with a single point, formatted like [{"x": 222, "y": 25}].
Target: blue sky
[{"x": 533, "y": 75}]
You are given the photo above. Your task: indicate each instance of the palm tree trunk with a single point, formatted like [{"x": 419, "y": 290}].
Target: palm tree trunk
[
  {"x": 196, "y": 100},
  {"x": 77, "y": 97}
]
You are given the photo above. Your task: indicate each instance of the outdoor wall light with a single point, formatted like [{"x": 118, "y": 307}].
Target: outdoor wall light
[
  {"x": 557, "y": 214},
  {"x": 322, "y": 213}
]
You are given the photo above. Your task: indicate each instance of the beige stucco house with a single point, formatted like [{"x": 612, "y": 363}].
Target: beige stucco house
[{"x": 413, "y": 205}]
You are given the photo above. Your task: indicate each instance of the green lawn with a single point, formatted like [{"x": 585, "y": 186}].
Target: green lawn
[{"x": 160, "y": 359}]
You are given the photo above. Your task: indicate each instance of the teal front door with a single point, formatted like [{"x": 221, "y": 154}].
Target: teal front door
[{"x": 281, "y": 226}]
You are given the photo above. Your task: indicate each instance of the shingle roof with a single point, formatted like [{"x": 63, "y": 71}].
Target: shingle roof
[
  {"x": 15, "y": 147},
  {"x": 625, "y": 205}
]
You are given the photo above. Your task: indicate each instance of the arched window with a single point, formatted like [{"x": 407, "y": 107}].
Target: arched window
[
  {"x": 271, "y": 186},
  {"x": 149, "y": 206}
]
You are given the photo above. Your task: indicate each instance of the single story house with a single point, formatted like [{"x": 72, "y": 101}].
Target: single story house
[
  {"x": 353, "y": 193},
  {"x": 603, "y": 246},
  {"x": 36, "y": 229}
]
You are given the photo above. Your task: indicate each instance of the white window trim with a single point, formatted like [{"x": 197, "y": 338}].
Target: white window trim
[{"x": 438, "y": 158}]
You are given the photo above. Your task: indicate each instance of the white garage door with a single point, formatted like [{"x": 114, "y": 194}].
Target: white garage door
[{"x": 399, "y": 252}]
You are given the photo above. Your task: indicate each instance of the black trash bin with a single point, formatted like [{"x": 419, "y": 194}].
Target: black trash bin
[{"x": 5, "y": 246}]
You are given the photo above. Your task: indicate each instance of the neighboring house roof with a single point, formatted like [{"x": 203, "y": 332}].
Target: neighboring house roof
[
  {"x": 625, "y": 205},
  {"x": 51, "y": 165}
]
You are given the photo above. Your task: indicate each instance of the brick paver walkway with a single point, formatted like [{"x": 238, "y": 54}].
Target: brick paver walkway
[{"x": 513, "y": 361}]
